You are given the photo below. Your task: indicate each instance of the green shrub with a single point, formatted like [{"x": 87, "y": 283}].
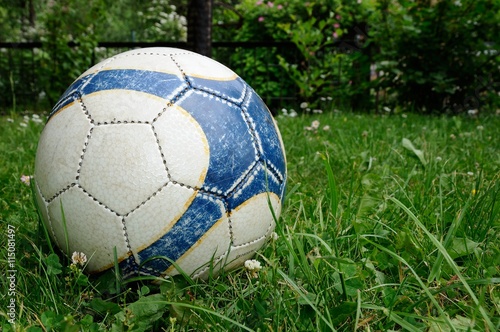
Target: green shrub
[{"x": 438, "y": 56}]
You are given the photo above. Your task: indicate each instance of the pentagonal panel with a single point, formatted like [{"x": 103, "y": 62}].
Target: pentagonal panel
[
  {"x": 232, "y": 148},
  {"x": 122, "y": 166},
  {"x": 60, "y": 149},
  {"x": 114, "y": 106},
  {"x": 157, "y": 216},
  {"x": 184, "y": 145},
  {"x": 91, "y": 228},
  {"x": 254, "y": 218}
]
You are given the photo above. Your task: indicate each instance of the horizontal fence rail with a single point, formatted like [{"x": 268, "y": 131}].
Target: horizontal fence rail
[{"x": 23, "y": 83}]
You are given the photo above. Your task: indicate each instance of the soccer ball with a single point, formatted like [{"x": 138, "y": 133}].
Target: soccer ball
[{"x": 162, "y": 157}]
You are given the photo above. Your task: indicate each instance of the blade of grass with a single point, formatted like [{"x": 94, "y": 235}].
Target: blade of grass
[
  {"x": 392, "y": 316},
  {"x": 305, "y": 298},
  {"x": 436, "y": 269},
  {"x": 448, "y": 259},
  {"x": 419, "y": 280}
]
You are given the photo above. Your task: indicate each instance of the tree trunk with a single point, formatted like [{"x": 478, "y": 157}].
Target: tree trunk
[{"x": 199, "y": 37}]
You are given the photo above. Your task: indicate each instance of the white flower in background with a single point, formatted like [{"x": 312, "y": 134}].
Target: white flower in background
[
  {"x": 303, "y": 105},
  {"x": 315, "y": 124},
  {"x": 479, "y": 128},
  {"x": 79, "y": 258},
  {"x": 26, "y": 179},
  {"x": 326, "y": 128},
  {"x": 470, "y": 173},
  {"x": 438, "y": 158}
]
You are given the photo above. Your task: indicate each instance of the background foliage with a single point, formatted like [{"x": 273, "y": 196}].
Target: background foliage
[{"x": 431, "y": 56}]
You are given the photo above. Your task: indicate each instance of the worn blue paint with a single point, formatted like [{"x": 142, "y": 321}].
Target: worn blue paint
[
  {"x": 233, "y": 91},
  {"x": 163, "y": 85},
  {"x": 201, "y": 215},
  {"x": 260, "y": 180},
  {"x": 232, "y": 149}
]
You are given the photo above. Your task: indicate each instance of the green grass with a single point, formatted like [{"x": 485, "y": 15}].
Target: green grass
[{"x": 390, "y": 223}]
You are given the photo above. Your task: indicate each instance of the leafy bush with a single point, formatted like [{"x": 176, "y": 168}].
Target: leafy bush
[{"x": 438, "y": 56}]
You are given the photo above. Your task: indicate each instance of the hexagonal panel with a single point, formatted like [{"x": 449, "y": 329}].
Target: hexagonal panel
[
  {"x": 268, "y": 137},
  {"x": 91, "y": 229},
  {"x": 214, "y": 243},
  {"x": 232, "y": 148},
  {"x": 163, "y": 85},
  {"x": 60, "y": 148},
  {"x": 157, "y": 216},
  {"x": 184, "y": 145},
  {"x": 123, "y": 106},
  {"x": 122, "y": 166},
  {"x": 253, "y": 219},
  {"x": 196, "y": 65},
  {"x": 204, "y": 212}
]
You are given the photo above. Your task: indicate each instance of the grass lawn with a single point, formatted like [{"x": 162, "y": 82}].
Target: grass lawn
[{"x": 390, "y": 223}]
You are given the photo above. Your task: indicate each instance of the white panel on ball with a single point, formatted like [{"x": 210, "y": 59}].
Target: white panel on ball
[
  {"x": 103, "y": 107},
  {"x": 176, "y": 130},
  {"x": 123, "y": 166},
  {"x": 58, "y": 169},
  {"x": 253, "y": 218},
  {"x": 91, "y": 228},
  {"x": 158, "y": 214}
]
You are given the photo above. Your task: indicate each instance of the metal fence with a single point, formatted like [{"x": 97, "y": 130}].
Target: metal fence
[{"x": 256, "y": 62}]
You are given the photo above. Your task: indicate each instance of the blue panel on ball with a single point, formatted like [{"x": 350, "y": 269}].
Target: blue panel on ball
[
  {"x": 268, "y": 137},
  {"x": 232, "y": 90},
  {"x": 163, "y": 85},
  {"x": 259, "y": 181},
  {"x": 201, "y": 215},
  {"x": 232, "y": 149}
]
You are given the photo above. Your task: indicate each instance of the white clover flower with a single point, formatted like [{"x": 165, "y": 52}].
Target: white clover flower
[
  {"x": 23, "y": 124},
  {"x": 253, "y": 266},
  {"x": 404, "y": 116},
  {"x": 274, "y": 236},
  {"x": 26, "y": 179},
  {"x": 387, "y": 109},
  {"x": 315, "y": 124},
  {"x": 479, "y": 128},
  {"x": 79, "y": 258},
  {"x": 470, "y": 173},
  {"x": 10, "y": 120},
  {"x": 303, "y": 105},
  {"x": 438, "y": 158},
  {"x": 326, "y": 128}
]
